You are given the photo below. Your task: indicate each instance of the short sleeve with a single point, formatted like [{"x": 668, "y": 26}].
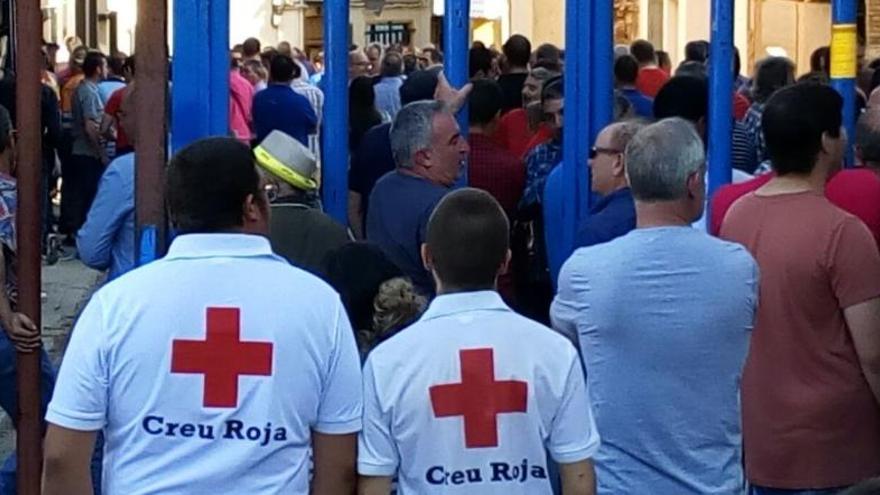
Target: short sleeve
[
  {"x": 341, "y": 401},
  {"x": 91, "y": 103},
  {"x": 854, "y": 264},
  {"x": 565, "y": 308},
  {"x": 80, "y": 398},
  {"x": 573, "y": 435},
  {"x": 377, "y": 452}
]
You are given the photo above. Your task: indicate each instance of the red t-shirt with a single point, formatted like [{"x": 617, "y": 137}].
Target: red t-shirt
[
  {"x": 741, "y": 106},
  {"x": 856, "y": 191},
  {"x": 112, "y": 109},
  {"x": 810, "y": 419},
  {"x": 514, "y": 135},
  {"x": 650, "y": 80}
]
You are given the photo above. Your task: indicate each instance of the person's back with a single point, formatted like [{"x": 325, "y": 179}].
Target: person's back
[
  {"x": 217, "y": 366},
  {"x": 279, "y": 107},
  {"x": 659, "y": 328},
  {"x": 304, "y": 235},
  {"x": 810, "y": 389},
  {"x": 801, "y": 329},
  {"x": 663, "y": 337},
  {"x": 471, "y": 397},
  {"x": 400, "y": 206},
  {"x": 388, "y": 95}
]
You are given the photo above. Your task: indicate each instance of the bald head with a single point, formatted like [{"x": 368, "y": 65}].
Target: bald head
[{"x": 868, "y": 137}]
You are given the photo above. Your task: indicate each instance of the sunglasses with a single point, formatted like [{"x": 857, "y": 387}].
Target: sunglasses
[{"x": 596, "y": 151}]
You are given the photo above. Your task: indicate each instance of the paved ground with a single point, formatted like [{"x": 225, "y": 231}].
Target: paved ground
[{"x": 67, "y": 285}]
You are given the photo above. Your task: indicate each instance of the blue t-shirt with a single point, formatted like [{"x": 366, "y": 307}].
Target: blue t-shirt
[
  {"x": 279, "y": 107},
  {"x": 663, "y": 317},
  {"x": 643, "y": 106},
  {"x": 400, "y": 207},
  {"x": 611, "y": 217}
]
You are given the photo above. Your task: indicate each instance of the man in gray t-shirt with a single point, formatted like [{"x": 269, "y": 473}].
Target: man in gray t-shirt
[
  {"x": 663, "y": 318},
  {"x": 88, "y": 157}
]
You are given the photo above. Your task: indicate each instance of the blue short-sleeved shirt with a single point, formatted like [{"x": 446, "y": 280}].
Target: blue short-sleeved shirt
[
  {"x": 663, "y": 317},
  {"x": 613, "y": 216},
  {"x": 643, "y": 106},
  {"x": 279, "y": 107},
  {"x": 400, "y": 207}
]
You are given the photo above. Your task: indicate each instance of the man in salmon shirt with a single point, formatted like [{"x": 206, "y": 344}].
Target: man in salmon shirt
[
  {"x": 857, "y": 191},
  {"x": 651, "y": 77},
  {"x": 811, "y": 384}
]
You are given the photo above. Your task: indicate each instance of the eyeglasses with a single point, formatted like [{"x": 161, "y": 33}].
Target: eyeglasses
[{"x": 597, "y": 150}]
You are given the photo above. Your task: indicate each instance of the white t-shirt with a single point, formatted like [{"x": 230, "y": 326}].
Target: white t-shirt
[
  {"x": 209, "y": 369},
  {"x": 470, "y": 399}
]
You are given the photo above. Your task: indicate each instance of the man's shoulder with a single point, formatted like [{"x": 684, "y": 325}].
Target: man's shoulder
[{"x": 428, "y": 335}]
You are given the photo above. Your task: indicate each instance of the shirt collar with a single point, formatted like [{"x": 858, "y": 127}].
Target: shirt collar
[
  {"x": 463, "y": 302},
  {"x": 189, "y": 246}
]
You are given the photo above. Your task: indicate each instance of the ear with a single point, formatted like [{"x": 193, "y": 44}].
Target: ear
[
  {"x": 505, "y": 266},
  {"x": 695, "y": 184},
  {"x": 427, "y": 259},
  {"x": 253, "y": 209},
  {"x": 423, "y": 158},
  {"x": 618, "y": 169}
]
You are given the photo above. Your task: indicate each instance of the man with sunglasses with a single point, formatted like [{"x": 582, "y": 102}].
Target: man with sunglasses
[{"x": 615, "y": 214}]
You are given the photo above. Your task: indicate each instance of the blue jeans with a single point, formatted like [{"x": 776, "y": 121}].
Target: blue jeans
[
  {"x": 9, "y": 399},
  {"x": 757, "y": 490}
]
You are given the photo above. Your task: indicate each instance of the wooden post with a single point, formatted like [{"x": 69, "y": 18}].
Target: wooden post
[
  {"x": 28, "y": 62},
  {"x": 151, "y": 105}
]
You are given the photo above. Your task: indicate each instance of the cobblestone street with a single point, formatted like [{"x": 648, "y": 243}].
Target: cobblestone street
[{"x": 67, "y": 286}]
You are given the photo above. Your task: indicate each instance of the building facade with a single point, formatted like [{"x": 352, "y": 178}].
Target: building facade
[{"x": 791, "y": 27}]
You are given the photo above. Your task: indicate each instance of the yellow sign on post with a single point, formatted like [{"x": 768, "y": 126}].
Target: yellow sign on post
[{"x": 844, "y": 43}]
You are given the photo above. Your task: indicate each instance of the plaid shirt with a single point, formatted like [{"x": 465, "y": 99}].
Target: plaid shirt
[
  {"x": 539, "y": 162},
  {"x": 755, "y": 132},
  {"x": 494, "y": 169}
]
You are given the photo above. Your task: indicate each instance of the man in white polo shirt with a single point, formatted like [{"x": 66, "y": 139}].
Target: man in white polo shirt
[
  {"x": 214, "y": 369},
  {"x": 471, "y": 397}
]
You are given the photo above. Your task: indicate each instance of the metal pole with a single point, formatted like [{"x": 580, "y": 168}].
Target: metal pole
[
  {"x": 201, "y": 67},
  {"x": 150, "y": 144},
  {"x": 602, "y": 81},
  {"x": 844, "y": 45},
  {"x": 456, "y": 38},
  {"x": 720, "y": 94},
  {"x": 28, "y": 32},
  {"x": 576, "y": 130},
  {"x": 334, "y": 139}
]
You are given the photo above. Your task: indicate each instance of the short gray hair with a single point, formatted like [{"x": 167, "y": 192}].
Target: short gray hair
[
  {"x": 661, "y": 157},
  {"x": 624, "y": 131},
  {"x": 412, "y": 129}
]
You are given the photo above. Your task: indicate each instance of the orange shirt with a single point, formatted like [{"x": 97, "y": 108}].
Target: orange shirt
[
  {"x": 67, "y": 92},
  {"x": 810, "y": 419}
]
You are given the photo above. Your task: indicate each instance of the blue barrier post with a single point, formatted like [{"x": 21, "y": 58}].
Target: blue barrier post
[
  {"x": 602, "y": 80},
  {"x": 576, "y": 128},
  {"x": 720, "y": 94},
  {"x": 334, "y": 138},
  {"x": 456, "y": 38},
  {"x": 200, "y": 93},
  {"x": 844, "y": 44}
]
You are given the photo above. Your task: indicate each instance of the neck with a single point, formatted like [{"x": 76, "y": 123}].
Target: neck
[
  {"x": 872, "y": 166},
  {"x": 661, "y": 214},
  {"x": 791, "y": 183},
  {"x": 444, "y": 290},
  {"x": 420, "y": 173},
  {"x": 518, "y": 70}
]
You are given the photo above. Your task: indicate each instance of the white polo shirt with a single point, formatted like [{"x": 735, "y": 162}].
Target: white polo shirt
[
  {"x": 208, "y": 369},
  {"x": 470, "y": 399}
]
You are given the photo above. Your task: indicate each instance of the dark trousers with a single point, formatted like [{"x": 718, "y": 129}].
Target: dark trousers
[{"x": 81, "y": 175}]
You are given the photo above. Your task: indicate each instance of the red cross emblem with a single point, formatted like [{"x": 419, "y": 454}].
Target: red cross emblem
[
  {"x": 479, "y": 398},
  {"x": 222, "y": 357}
]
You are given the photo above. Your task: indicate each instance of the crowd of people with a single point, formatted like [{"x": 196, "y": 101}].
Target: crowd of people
[{"x": 444, "y": 340}]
